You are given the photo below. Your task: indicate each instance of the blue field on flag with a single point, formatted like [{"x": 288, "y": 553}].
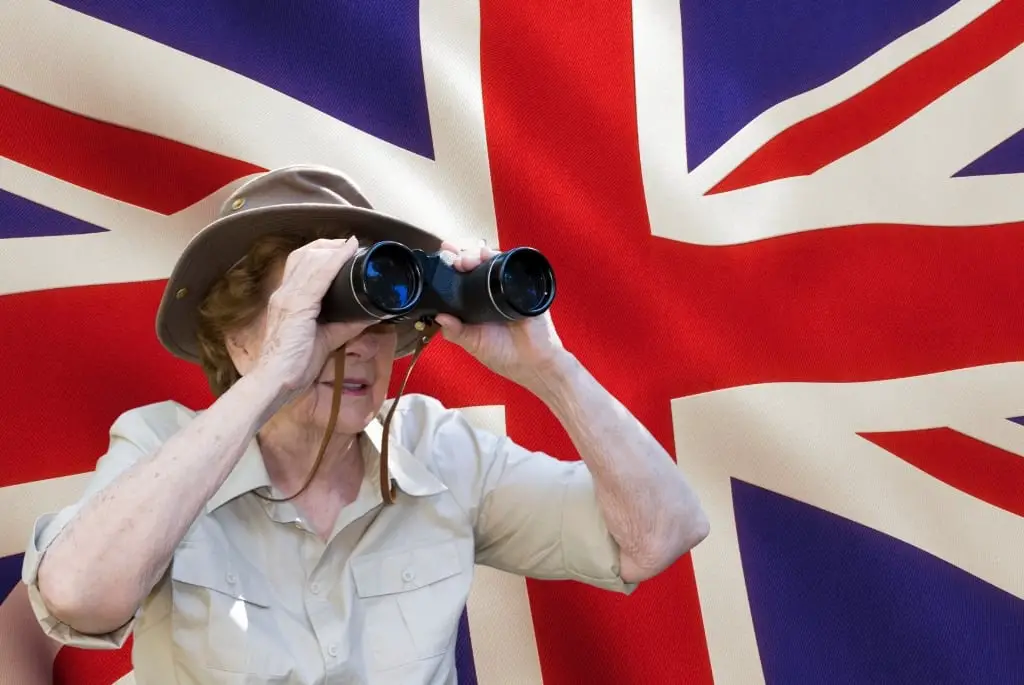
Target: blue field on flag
[
  {"x": 10, "y": 573},
  {"x": 837, "y": 602},
  {"x": 357, "y": 62},
  {"x": 22, "y": 218},
  {"x": 782, "y": 48},
  {"x": 1005, "y": 158}
]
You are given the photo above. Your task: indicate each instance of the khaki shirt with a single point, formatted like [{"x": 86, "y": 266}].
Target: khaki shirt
[{"x": 252, "y": 596}]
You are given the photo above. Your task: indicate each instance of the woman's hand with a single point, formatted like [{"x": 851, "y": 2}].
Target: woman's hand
[
  {"x": 295, "y": 347},
  {"x": 521, "y": 351}
]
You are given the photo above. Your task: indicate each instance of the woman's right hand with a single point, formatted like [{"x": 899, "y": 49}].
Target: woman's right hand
[{"x": 295, "y": 347}]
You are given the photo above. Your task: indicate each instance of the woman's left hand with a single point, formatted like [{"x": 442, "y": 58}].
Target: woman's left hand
[{"x": 521, "y": 351}]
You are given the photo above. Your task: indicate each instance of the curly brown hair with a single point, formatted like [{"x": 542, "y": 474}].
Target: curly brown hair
[{"x": 237, "y": 298}]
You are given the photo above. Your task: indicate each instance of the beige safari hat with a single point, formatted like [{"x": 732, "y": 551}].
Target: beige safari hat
[{"x": 292, "y": 199}]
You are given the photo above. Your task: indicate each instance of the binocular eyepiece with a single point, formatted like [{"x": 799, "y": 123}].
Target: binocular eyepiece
[{"x": 388, "y": 281}]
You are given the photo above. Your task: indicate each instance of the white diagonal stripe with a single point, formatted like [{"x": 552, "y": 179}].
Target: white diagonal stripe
[
  {"x": 902, "y": 178},
  {"x": 138, "y": 244},
  {"x": 22, "y": 504},
  {"x": 240, "y": 118},
  {"x": 800, "y": 440}
]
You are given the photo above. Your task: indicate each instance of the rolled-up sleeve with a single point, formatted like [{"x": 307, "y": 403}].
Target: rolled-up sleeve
[
  {"x": 534, "y": 515},
  {"x": 130, "y": 437}
]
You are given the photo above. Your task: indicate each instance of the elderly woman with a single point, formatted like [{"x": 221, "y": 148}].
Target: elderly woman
[{"x": 284, "y": 535}]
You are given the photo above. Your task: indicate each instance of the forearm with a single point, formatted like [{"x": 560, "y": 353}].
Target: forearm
[
  {"x": 650, "y": 509},
  {"x": 26, "y": 654},
  {"x": 108, "y": 558}
]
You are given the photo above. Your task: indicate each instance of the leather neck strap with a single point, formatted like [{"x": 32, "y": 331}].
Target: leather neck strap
[{"x": 388, "y": 487}]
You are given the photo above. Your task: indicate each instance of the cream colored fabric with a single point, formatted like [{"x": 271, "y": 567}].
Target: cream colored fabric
[{"x": 252, "y": 596}]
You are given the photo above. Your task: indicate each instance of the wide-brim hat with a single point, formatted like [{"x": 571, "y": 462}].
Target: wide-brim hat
[{"x": 298, "y": 199}]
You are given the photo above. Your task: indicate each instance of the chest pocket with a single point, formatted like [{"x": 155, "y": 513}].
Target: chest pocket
[
  {"x": 222, "y": 617},
  {"x": 411, "y": 602}
]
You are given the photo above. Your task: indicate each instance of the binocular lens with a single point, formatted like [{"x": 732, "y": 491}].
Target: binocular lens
[
  {"x": 391, "y": 278},
  {"x": 527, "y": 281},
  {"x": 389, "y": 281}
]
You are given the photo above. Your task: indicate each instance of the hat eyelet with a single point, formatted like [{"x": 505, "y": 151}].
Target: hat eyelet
[
  {"x": 181, "y": 294},
  {"x": 238, "y": 203}
]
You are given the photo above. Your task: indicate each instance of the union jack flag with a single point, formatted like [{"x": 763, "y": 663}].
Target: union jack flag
[{"x": 789, "y": 235}]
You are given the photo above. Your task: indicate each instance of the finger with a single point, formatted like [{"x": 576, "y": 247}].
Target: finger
[
  {"x": 302, "y": 255},
  {"x": 326, "y": 263},
  {"x": 470, "y": 260},
  {"x": 459, "y": 262},
  {"x": 328, "y": 243},
  {"x": 321, "y": 244},
  {"x": 342, "y": 251},
  {"x": 451, "y": 328},
  {"x": 449, "y": 247},
  {"x": 337, "y": 334},
  {"x": 449, "y": 256}
]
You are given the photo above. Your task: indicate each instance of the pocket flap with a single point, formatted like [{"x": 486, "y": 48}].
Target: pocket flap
[
  {"x": 203, "y": 566},
  {"x": 385, "y": 573}
]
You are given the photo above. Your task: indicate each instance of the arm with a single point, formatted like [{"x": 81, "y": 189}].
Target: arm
[
  {"x": 650, "y": 511},
  {"x": 649, "y": 508},
  {"x": 99, "y": 568},
  {"x": 26, "y": 654},
  {"x": 103, "y": 562}
]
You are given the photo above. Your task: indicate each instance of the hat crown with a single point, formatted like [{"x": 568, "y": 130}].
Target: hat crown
[{"x": 305, "y": 184}]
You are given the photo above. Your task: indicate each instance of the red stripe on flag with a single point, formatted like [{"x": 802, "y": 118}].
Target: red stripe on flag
[
  {"x": 820, "y": 140},
  {"x": 139, "y": 168},
  {"x": 656, "y": 319},
  {"x": 981, "y": 470},
  {"x": 76, "y": 358},
  {"x": 559, "y": 109},
  {"x": 74, "y": 666}
]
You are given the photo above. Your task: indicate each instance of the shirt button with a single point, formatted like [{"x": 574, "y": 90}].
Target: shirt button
[
  {"x": 333, "y": 650},
  {"x": 408, "y": 575},
  {"x": 231, "y": 578},
  {"x": 315, "y": 588}
]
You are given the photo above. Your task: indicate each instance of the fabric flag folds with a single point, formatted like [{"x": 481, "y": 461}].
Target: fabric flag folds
[{"x": 789, "y": 236}]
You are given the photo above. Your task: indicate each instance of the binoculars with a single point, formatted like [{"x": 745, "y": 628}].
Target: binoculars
[{"x": 388, "y": 281}]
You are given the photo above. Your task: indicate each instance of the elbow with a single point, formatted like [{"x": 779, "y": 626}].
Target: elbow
[
  {"x": 691, "y": 528},
  {"x": 661, "y": 550},
  {"x": 697, "y": 529},
  {"x": 79, "y": 605}
]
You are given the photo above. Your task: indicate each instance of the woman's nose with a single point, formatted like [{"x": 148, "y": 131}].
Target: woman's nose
[{"x": 363, "y": 346}]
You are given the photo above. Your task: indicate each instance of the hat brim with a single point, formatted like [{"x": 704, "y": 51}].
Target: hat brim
[{"x": 221, "y": 244}]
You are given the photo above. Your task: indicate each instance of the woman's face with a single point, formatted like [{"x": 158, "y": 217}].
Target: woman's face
[{"x": 368, "y": 360}]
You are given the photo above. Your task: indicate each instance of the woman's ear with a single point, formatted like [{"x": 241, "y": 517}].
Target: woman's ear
[{"x": 244, "y": 345}]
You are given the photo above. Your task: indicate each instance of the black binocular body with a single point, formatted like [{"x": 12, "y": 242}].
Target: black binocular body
[{"x": 389, "y": 281}]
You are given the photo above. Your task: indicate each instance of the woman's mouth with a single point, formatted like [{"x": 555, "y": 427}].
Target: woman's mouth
[{"x": 350, "y": 387}]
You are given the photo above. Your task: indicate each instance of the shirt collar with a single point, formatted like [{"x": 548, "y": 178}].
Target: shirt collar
[
  {"x": 412, "y": 476},
  {"x": 250, "y": 473},
  {"x": 410, "y": 473}
]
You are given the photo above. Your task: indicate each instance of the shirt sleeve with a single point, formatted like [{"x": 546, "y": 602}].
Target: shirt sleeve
[
  {"x": 132, "y": 436},
  {"x": 534, "y": 515}
]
